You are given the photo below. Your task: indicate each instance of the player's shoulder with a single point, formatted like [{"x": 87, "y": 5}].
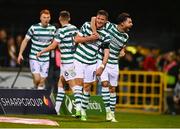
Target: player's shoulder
[
  {"x": 60, "y": 30},
  {"x": 73, "y": 26},
  {"x": 104, "y": 34},
  {"x": 86, "y": 24},
  {"x": 50, "y": 25},
  {"x": 35, "y": 25},
  {"x": 109, "y": 25}
]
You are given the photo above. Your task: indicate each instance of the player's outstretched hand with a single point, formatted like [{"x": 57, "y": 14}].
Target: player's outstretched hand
[
  {"x": 122, "y": 52},
  {"x": 99, "y": 71},
  {"x": 94, "y": 36},
  {"x": 38, "y": 54},
  {"x": 20, "y": 59}
]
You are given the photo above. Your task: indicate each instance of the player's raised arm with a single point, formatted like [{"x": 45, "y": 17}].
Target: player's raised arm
[
  {"x": 122, "y": 51},
  {"x": 93, "y": 24}
]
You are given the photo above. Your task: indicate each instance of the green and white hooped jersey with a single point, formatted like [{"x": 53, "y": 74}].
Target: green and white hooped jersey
[
  {"x": 87, "y": 52},
  {"x": 64, "y": 36},
  {"x": 118, "y": 39},
  {"x": 41, "y": 37}
]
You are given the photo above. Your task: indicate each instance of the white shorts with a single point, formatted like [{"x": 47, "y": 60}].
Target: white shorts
[
  {"x": 85, "y": 71},
  {"x": 68, "y": 71},
  {"x": 39, "y": 67},
  {"x": 110, "y": 73}
]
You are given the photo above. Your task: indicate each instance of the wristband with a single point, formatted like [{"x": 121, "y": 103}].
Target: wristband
[{"x": 102, "y": 66}]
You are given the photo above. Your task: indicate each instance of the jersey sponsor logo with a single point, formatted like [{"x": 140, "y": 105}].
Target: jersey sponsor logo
[
  {"x": 116, "y": 43},
  {"x": 43, "y": 39}
]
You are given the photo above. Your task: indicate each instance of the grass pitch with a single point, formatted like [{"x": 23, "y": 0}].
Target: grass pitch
[{"x": 126, "y": 120}]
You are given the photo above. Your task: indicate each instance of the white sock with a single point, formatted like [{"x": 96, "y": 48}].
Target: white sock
[
  {"x": 112, "y": 101},
  {"x": 59, "y": 99},
  {"x": 106, "y": 98},
  {"x": 85, "y": 100},
  {"x": 77, "y": 90}
]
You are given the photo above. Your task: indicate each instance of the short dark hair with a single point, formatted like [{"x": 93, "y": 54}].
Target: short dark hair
[
  {"x": 122, "y": 17},
  {"x": 64, "y": 14},
  {"x": 103, "y": 12}
]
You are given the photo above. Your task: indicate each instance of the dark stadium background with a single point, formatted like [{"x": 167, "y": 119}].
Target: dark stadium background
[{"x": 156, "y": 22}]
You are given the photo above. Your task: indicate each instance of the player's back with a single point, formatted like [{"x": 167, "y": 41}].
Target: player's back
[{"x": 65, "y": 37}]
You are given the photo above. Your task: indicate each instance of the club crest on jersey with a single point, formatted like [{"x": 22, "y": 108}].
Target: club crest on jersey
[{"x": 66, "y": 73}]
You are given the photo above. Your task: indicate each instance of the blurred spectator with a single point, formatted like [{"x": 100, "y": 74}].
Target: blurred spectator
[
  {"x": 178, "y": 56},
  {"x": 160, "y": 61},
  {"x": 177, "y": 91},
  {"x": 54, "y": 70},
  {"x": 3, "y": 35},
  {"x": 174, "y": 102},
  {"x": 3, "y": 48},
  {"x": 171, "y": 68},
  {"x": 19, "y": 39},
  {"x": 149, "y": 63},
  {"x": 128, "y": 62},
  {"x": 12, "y": 51},
  {"x": 139, "y": 57}
]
